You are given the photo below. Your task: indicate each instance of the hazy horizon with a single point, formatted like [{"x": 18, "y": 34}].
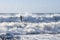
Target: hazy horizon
[{"x": 30, "y": 6}]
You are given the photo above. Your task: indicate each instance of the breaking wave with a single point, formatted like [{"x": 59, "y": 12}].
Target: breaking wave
[{"x": 32, "y": 24}]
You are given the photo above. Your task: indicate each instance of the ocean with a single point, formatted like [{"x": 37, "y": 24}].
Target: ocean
[{"x": 34, "y": 26}]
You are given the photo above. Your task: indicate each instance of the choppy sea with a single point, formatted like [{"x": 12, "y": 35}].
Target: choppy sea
[{"x": 35, "y": 26}]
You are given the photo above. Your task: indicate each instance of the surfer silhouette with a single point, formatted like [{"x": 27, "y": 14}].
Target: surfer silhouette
[{"x": 21, "y": 18}]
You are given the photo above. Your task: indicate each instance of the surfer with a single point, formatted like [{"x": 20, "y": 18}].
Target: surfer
[{"x": 21, "y": 18}]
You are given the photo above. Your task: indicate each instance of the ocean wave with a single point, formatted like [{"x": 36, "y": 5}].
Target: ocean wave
[
  {"x": 30, "y": 18},
  {"x": 30, "y": 28},
  {"x": 32, "y": 24}
]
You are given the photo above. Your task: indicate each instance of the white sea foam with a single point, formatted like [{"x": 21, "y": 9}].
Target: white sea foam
[
  {"x": 31, "y": 28},
  {"x": 28, "y": 26}
]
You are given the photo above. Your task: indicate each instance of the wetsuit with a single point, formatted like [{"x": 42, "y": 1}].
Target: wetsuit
[{"x": 21, "y": 18}]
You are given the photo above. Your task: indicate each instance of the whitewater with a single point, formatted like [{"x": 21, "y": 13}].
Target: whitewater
[{"x": 35, "y": 26}]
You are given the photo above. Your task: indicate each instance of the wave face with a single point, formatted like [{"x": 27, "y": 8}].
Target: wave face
[{"x": 35, "y": 23}]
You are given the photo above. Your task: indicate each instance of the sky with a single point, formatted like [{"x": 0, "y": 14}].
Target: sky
[{"x": 32, "y": 6}]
